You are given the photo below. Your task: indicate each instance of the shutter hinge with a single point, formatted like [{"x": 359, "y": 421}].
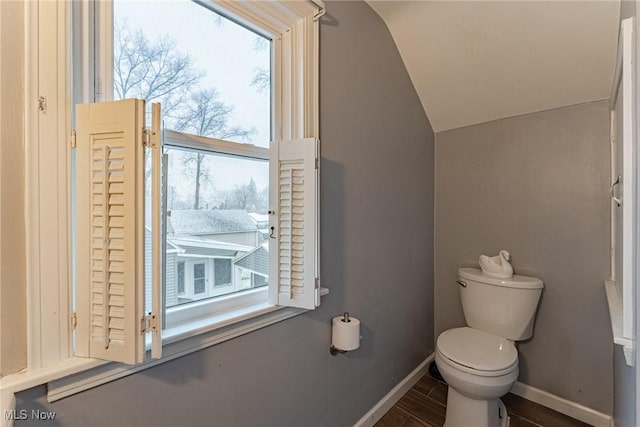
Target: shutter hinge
[
  {"x": 148, "y": 324},
  {"x": 146, "y": 137},
  {"x": 317, "y": 163},
  {"x": 73, "y": 138},
  {"x": 74, "y": 320}
]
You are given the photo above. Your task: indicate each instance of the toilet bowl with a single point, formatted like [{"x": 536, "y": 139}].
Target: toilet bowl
[
  {"x": 479, "y": 367},
  {"x": 479, "y": 362}
]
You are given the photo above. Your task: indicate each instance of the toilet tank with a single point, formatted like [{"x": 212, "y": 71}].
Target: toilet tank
[{"x": 505, "y": 307}]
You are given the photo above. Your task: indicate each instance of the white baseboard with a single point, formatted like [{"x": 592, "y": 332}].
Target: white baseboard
[
  {"x": 564, "y": 406},
  {"x": 390, "y": 399}
]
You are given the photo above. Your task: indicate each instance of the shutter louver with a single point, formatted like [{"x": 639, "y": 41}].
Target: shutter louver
[
  {"x": 291, "y": 228},
  {"x": 293, "y": 250},
  {"x": 110, "y": 230}
]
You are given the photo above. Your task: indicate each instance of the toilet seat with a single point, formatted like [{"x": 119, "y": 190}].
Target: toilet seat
[{"x": 477, "y": 352}]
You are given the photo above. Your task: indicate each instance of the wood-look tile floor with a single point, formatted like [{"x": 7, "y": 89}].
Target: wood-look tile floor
[{"x": 425, "y": 405}]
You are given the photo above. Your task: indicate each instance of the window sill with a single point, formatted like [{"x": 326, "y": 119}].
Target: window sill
[
  {"x": 615, "y": 315},
  {"x": 78, "y": 374},
  {"x": 229, "y": 308},
  {"x": 197, "y": 327}
]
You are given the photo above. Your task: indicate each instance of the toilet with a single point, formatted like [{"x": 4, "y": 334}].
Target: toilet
[{"x": 479, "y": 362}]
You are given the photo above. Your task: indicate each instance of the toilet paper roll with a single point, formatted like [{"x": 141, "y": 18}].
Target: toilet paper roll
[{"x": 345, "y": 335}]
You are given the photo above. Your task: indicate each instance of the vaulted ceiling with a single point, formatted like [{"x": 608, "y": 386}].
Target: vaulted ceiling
[{"x": 476, "y": 61}]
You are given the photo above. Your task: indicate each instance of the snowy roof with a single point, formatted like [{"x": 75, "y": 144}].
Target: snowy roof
[
  {"x": 210, "y": 221},
  {"x": 261, "y": 219},
  {"x": 188, "y": 251},
  {"x": 208, "y": 248}
]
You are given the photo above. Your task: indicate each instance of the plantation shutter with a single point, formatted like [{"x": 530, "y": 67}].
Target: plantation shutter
[
  {"x": 293, "y": 243},
  {"x": 110, "y": 193}
]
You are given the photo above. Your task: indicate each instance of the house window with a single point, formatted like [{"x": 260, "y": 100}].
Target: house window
[
  {"x": 222, "y": 272},
  {"x": 199, "y": 278},
  {"x": 258, "y": 280},
  {"x": 180, "y": 277}
]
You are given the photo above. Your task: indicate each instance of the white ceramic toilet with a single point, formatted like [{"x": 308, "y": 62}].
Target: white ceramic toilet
[{"x": 480, "y": 361}]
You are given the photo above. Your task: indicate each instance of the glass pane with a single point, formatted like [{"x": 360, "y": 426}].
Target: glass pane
[
  {"x": 217, "y": 211},
  {"x": 212, "y": 76},
  {"x": 222, "y": 274},
  {"x": 259, "y": 280},
  {"x": 180, "y": 278},
  {"x": 199, "y": 280}
]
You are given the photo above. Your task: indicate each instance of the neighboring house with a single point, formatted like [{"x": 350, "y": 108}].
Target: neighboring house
[
  {"x": 256, "y": 262},
  {"x": 262, "y": 222},
  {"x": 212, "y": 253}
]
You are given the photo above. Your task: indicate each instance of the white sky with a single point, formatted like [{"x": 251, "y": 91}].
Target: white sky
[{"x": 225, "y": 52}]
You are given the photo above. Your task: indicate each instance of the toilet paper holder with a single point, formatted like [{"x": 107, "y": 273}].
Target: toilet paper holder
[
  {"x": 334, "y": 351},
  {"x": 332, "y": 348}
]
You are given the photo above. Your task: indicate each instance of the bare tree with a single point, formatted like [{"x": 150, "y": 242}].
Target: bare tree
[
  {"x": 206, "y": 115},
  {"x": 261, "y": 79},
  {"x": 152, "y": 71},
  {"x": 260, "y": 43},
  {"x": 158, "y": 71},
  {"x": 243, "y": 196},
  {"x": 195, "y": 162},
  {"x": 261, "y": 76}
]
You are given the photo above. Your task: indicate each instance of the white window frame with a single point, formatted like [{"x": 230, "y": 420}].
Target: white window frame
[
  {"x": 48, "y": 113},
  {"x": 621, "y": 287}
]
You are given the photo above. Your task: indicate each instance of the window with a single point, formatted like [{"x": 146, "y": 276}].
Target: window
[
  {"x": 180, "y": 277},
  {"x": 214, "y": 195},
  {"x": 222, "y": 269},
  {"x": 199, "y": 279},
  {"x": 238, "y": 217},
  {"x": 258, "y": 280}
]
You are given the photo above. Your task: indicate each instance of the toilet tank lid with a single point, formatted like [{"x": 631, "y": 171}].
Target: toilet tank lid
[{"x": 522, "y": 282}]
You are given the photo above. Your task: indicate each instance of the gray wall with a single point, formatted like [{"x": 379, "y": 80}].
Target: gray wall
[
  {"x": 536, "y": 185},
  {"x": 377, "y": 259},
  {"x": 624, "y": 391}
]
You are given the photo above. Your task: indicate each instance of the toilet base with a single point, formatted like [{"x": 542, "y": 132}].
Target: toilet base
[{"x": 463, "y": 411}]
